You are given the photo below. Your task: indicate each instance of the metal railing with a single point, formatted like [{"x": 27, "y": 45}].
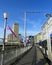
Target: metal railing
[{"x": 12, "y": 53}]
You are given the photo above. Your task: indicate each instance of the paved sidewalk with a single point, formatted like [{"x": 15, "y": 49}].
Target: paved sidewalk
[{"x": 33, "y": 57}]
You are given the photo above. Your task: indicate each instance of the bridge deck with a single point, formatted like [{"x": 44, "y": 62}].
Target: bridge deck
[{"x": 33, "y": 57}]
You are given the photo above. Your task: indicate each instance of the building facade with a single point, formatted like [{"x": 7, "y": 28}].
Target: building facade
[
  {"x": 38, "y": 37},
  {"x": 20, "y": 39},
  {"x": 35, "y": 39},
  {"x": 16, "y": 31},
  {"x": 44, "y": 31},
  {"x": 47, "y": 35},
  {"x": 11, "y": 37}
]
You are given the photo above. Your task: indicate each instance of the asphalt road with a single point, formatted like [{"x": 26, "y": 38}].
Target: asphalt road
[{"x": 33, "y": 57}]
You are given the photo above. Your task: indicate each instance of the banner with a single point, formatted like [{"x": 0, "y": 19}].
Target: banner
[{"x": 11, "y": 31}]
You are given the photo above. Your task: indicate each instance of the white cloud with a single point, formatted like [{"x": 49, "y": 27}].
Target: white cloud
[
  {"x": 35, "y": 26},
  {"x": 32, "y": 32},
  {"x": 29, "y": 21}
]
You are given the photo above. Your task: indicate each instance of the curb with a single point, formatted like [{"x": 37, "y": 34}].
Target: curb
[{"x": 15, "y": 60}]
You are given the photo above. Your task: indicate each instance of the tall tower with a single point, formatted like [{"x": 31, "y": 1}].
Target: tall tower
[{"x": 16, "y": 31}]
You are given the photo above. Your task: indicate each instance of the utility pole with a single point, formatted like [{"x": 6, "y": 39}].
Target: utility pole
[
  {"x": 25, "y": 14},
  {"x": 25, "y": 28}
]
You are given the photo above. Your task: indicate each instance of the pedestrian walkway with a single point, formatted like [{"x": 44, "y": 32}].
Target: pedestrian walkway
[{"x": 33, "y": 57}]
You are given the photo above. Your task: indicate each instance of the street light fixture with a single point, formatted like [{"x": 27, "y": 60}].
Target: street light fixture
[
  {"x": 5, "y": 24},
  {"x": 3, "y": 48}
]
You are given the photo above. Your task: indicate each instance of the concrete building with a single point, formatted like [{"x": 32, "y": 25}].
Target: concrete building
[
  {"x": 44, "y": 31},
  {"x": 35, "y": 39},
  {"x": 16, "y": 31},
  {"x": 12, "y": 38},
  {"x": 47, "y": 35},
  {"x": 38, "y": 38},
  {"x": 9, "y": 38},
  {"x": 20, "y": 38}
]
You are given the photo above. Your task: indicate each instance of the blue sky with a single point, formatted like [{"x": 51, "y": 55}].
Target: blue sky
[{"x": 16, "y": 9}]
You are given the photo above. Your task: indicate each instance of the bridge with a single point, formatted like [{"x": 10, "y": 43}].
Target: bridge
[
  {"x": 11, "y": 54},
  {"x": 30, "y": 55}
]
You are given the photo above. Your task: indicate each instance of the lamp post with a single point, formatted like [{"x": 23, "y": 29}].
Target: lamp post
[
  {"x": 3, "y": 48},
  {"x": 5, "y": 24}
]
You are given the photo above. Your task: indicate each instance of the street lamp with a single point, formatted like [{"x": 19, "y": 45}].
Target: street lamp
[
  {"x": 3, "y": 48},
  {"x": 5, "y": 24}
]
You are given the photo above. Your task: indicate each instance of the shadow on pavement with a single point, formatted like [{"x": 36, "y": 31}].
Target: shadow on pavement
[
  {"x": 34, "y": 60},
  {"x": 42, "y": 62}
]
